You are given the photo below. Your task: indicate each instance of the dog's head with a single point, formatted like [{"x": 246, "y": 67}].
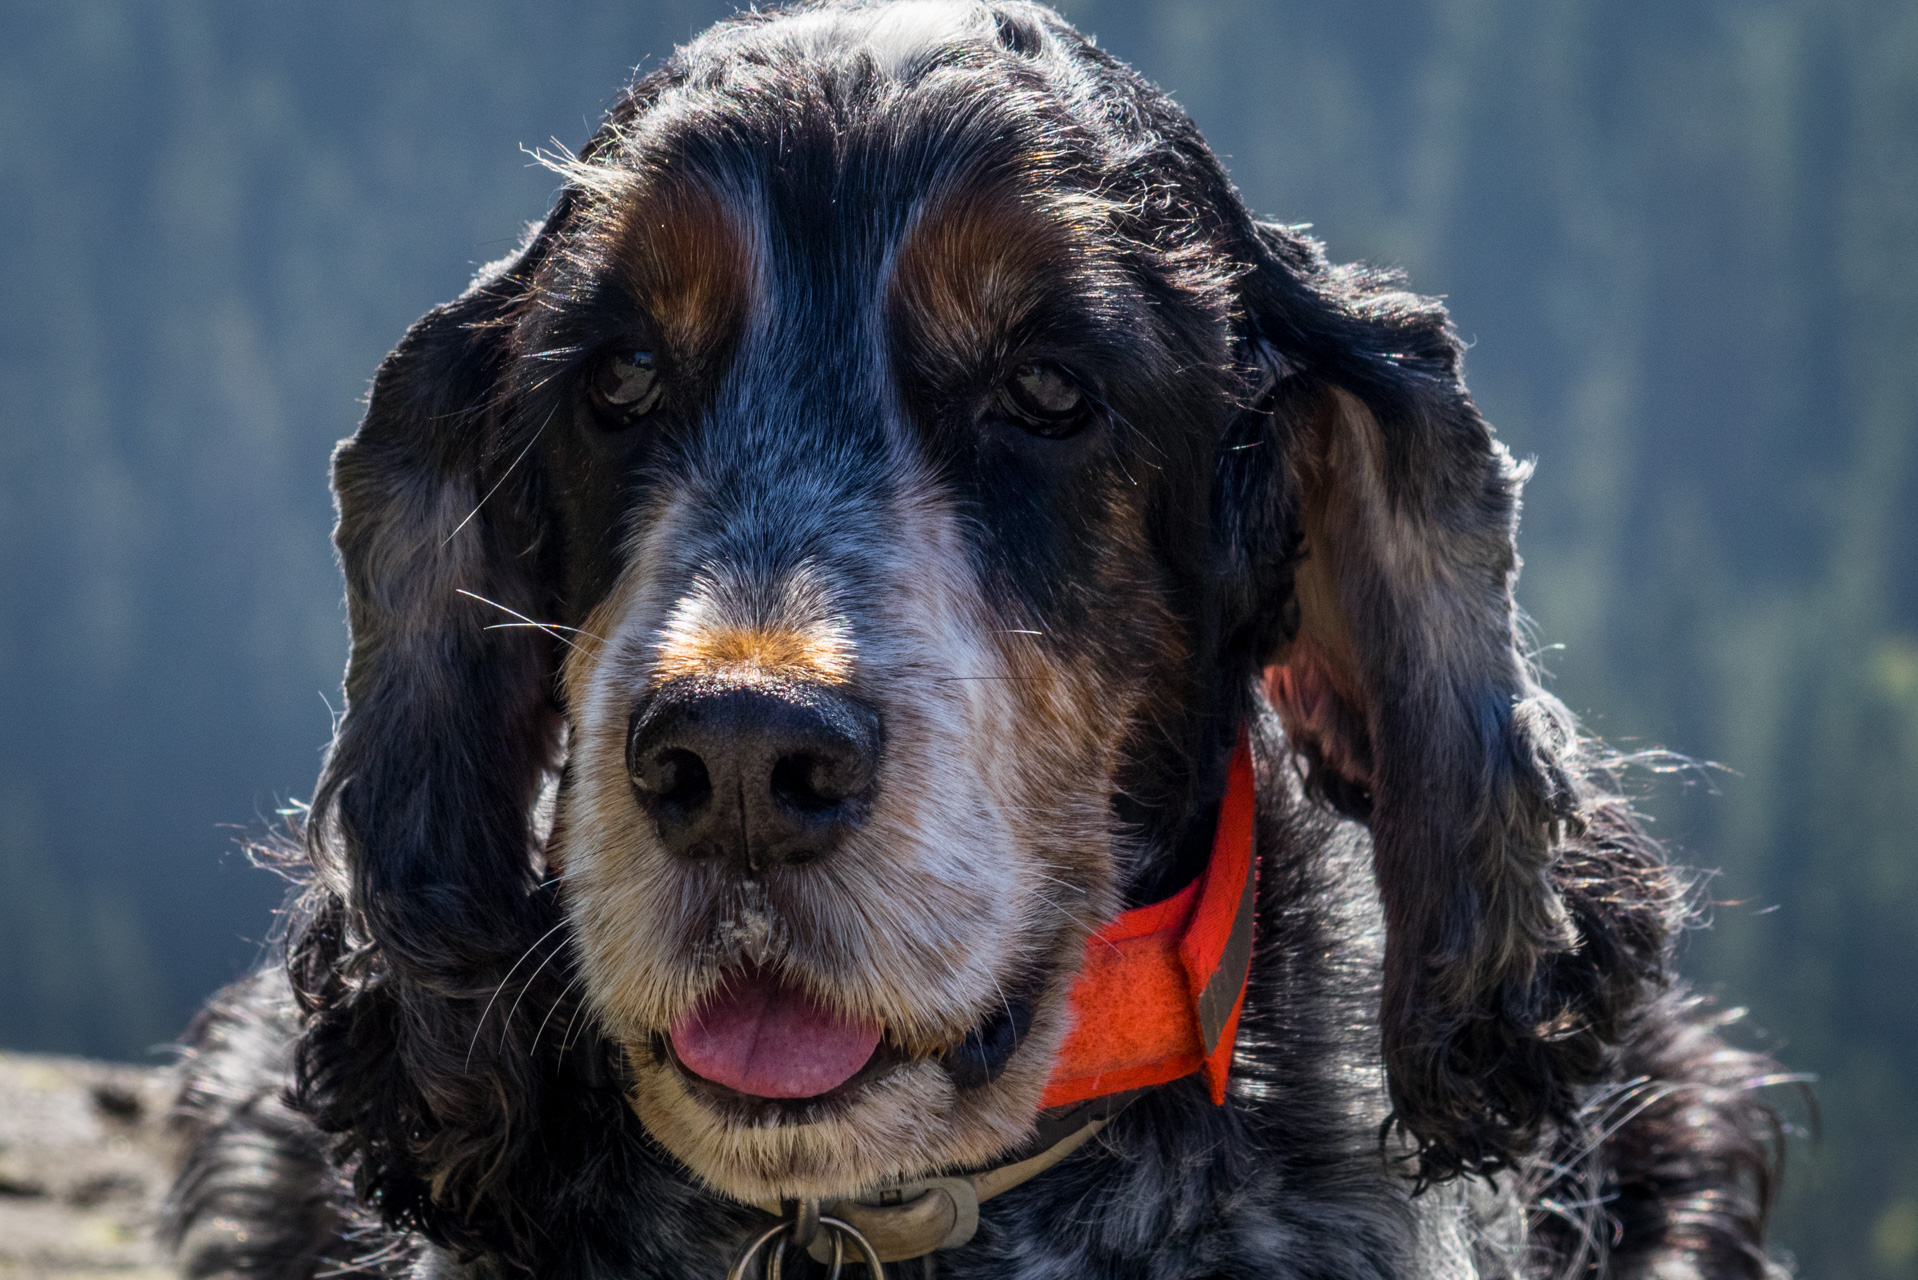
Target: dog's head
[{"x": 911, "y": 454}]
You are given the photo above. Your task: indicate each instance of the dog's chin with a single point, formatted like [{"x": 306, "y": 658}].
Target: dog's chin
[{"x": 895, "y": 1120}]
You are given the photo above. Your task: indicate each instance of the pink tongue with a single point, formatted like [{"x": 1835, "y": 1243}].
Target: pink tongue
[{"x": 762, "y": 1037}]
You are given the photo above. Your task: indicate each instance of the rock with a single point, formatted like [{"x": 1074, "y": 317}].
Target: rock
[{"x": 83, "y": 1167}]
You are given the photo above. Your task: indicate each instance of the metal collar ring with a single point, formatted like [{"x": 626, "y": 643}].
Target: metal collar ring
[{"x": 808, "y": 1219}]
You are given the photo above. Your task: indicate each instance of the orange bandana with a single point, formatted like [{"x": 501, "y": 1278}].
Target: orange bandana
[{"x": 1162, "y": 987}]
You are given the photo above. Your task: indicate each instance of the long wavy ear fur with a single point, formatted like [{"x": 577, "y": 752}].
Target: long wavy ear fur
[
  {"x": 422, "y": 820},
  {"x": 425, "y": 953},
  {"x": 1375, "y": 515},
  {"x": 422, "y": 812},
  {"x": 421, "y": 834}
]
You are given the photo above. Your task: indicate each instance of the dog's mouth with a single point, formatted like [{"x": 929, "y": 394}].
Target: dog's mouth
[
  {"x": 760, "y": 1047},
  {"x": 760, "y": 1036}
]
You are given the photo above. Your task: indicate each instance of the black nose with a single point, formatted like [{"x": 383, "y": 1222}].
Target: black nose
[{"x": 761, "y": 774}]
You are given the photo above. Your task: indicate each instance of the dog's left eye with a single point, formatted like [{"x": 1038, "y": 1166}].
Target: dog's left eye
[
  {"x": 626, "y": 387},
  {"x": 1046, "y": 401}
]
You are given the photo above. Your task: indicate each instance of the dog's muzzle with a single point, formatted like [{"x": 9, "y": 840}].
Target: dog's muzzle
[{"x": 1158, "y": 999}]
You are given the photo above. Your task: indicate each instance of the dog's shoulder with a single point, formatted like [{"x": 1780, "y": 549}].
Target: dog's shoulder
[{"x": 256, "y": 1193}]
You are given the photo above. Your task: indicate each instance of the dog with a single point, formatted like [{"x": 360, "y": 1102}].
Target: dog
[{"x": 928, "y": 693}]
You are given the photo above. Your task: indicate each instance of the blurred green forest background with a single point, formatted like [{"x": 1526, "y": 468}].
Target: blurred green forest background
[{"x": 1682, "y": 236}]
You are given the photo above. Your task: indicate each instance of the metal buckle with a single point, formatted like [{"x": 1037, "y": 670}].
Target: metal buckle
[
  {"x": 806, "y": 1219},
  {"x": 912, "y": 1219}
]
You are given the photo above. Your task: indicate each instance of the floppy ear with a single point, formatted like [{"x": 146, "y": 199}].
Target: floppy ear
[
  {"x": 422, "y": 818},
  {"x": 1375, "y": 514}
]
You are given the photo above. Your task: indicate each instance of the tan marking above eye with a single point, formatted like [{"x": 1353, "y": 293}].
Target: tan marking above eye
[
  {"x": 686, "y": 253},
  {"x": 971, "y": 267}
]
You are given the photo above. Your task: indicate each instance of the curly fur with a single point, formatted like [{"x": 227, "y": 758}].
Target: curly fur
[{"x": 1292, "y": 518}]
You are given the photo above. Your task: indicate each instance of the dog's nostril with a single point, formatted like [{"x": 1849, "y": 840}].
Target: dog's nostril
[
  {"x": 676, "y": 779},
  {"x": 792, "y": 785},
  {"x": 812, "y": 782}
]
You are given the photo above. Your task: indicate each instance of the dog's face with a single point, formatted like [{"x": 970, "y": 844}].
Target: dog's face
[
  {"x": 879, "y": 469},
  {"x": 899, "y": 453}
]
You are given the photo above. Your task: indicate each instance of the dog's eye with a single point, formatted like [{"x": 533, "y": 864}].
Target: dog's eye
[
  {"x": 1046, "y": 401},
  {"x": 626, "y": 387}
]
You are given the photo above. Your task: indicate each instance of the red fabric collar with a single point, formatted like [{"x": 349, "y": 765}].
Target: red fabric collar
[{"x": 1162, "y": 986}]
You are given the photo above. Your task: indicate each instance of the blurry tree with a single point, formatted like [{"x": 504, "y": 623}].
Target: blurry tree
[{"x": 1683, "y": 237}]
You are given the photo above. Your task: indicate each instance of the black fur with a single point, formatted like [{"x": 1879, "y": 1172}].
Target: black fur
[{"x": 1448, "y": 886}]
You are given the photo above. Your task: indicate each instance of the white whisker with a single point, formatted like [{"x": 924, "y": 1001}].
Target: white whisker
[
  {"x": 502, "y": 477},
  {"x": 547, "y": 627},
  {"x": 541, "y": 626},
  {"x": 506, "y": 1023},
  {"x": 558, "y": 1000},
  {"x": 502, "y": 986}
]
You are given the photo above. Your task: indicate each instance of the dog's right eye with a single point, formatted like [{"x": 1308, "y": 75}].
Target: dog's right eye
[
  {"x": 625, "y": 387},
  {"x": 1046, "y": 401}
]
